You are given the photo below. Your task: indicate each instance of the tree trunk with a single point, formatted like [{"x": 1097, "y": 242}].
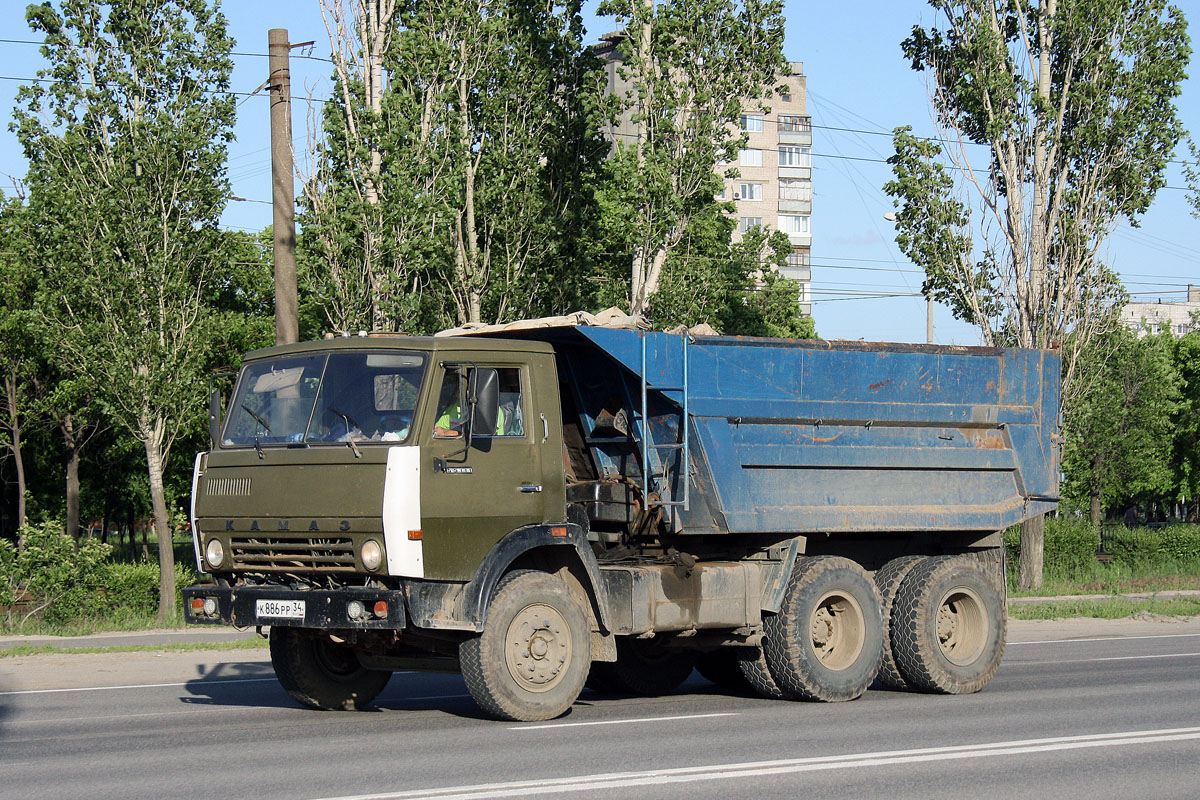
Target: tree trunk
[
  {"x": 1033, "y": 542},
  {"x": 14, "y": 429},
  {"x": 1096, "y": 512},
  {"x": 162, "y": 528},
  {"x": 71, "y": 442}
]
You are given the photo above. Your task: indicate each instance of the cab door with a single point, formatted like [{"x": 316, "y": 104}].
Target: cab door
[{"x": 469, "y": 500}]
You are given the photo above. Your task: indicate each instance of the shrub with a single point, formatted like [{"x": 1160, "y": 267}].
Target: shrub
[
  {"x": 52, "y": 571},
  {"x": 1142, "y": 548},
  {"x": 1070, "y": 547},
  {"x": 65, "y": 583},
  {"x": 134, "y": 587}
]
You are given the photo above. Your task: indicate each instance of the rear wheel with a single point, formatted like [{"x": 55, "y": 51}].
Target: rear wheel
[
  {"x": 643, "y": 666},
  {"x": 888, "y": 579},
  {"x": 321, "y": 673},
  {"x": 532, "y": 658},
  {"x": 949, "y": 627},
  {"x": 752, "y": 663},
  {"x": 722, "y": 668},
  {"x": 826, "y": 641}
]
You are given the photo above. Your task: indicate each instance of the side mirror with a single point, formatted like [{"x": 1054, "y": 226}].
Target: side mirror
[
  {"x": 485, "y": 401},
  {"x": 214, "y": 417}
]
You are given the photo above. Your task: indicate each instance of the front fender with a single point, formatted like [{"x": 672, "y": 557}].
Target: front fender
[{"x": 474, "y": 601}]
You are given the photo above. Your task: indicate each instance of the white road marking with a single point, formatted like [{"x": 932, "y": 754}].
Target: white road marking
[
  {"x": 1105, "y": 658},
  {"x": 1110, "y": 639},
  {"x": 134, "y": 686},
  {"x": 616, "y": 780},
  {"x": 552, "y": 726}
]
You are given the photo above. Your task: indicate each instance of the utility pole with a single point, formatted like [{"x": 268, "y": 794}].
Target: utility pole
[
  {"x": 283, "y": 200},
  {"x": 929, "y": 319}
]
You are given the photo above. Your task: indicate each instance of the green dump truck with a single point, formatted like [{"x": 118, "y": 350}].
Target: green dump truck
[{"x": 549, "y": 508}]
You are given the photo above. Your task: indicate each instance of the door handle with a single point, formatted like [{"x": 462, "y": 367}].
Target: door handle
[{"x": 530, "y": 488}]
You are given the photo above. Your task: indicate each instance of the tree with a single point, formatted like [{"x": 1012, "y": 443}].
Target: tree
[
  {"x": 21, "y": 346},
  {"x": 1120, "y": 433},
  {"x": 126, "y": 134},
  {"x": 1072, "y": 106},
  {"x": 691, "y": 65},
  {"x": 1185, "y": 463},
  {"x": 449, "y": 182},
  {"x": 735, "y": 287}
]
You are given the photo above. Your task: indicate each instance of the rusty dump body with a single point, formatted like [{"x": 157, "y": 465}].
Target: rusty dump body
[{"x": 812, "y": 437}]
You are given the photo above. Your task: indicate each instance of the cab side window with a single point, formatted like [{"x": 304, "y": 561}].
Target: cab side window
[
  {"x": 452, "y": 405},
  {"x": 511, "y": 419}
]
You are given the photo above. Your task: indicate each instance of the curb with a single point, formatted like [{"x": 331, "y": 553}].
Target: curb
[{"x": 1169, "y": 595}]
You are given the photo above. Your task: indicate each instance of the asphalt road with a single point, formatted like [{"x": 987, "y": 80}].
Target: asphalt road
[{"x": 1083, "y": 710}]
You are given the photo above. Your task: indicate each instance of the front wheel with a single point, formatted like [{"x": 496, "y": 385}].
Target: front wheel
[
  {"x": 948, "y": 627},
  {"x": 320, "y": 673},
  {"x": 532, "y": 658}
]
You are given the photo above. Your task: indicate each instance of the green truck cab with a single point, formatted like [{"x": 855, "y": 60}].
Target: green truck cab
[{"x": 552, "y": 507}]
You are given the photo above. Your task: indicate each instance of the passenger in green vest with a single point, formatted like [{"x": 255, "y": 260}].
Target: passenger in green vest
[{"x": 450, "y": 421}]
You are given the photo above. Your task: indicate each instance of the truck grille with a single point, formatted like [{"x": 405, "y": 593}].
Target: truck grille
[
  {"x": 292, "y": 553},
  {"x": 227, "y": 487}
]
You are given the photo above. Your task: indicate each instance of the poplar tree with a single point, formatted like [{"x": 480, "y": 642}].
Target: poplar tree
[
  {"x": 1056, "y": 119},
  {"x": 693, "y": 66},
  {"x": 126, "y": 133}
]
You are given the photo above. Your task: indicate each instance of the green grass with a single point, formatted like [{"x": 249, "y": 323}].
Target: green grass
[
  {"x": 42, "y": 649},
  {"x": 1108, "y": 608},
  {"x": 1113, "y": 579},
  {"x": 116, "y": 621}
]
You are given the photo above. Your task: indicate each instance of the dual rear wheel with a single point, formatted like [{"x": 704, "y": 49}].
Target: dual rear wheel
[{"x": 930, "y": 624}]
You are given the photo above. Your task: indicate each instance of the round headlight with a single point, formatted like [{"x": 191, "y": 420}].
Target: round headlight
[
  {"x": 214, "y": 553},
  {"x": 372, "y": 554}
]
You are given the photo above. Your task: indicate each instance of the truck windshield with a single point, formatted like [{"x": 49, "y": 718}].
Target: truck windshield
[{"x": 337, "y": 397}]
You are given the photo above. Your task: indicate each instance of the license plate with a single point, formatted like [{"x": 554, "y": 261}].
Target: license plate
[{"x": 279, "y": 609}]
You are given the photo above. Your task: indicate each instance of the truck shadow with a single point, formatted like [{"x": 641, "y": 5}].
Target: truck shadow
[{"x": 236, "y": 684}]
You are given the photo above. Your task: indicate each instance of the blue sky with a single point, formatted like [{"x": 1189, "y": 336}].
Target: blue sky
[{"x": 860, "y": 88}]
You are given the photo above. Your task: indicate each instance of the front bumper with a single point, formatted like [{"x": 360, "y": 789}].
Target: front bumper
[{"x": 325, "y": 609}]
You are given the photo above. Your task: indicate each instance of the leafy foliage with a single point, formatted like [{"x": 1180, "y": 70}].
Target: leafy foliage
[
  {"x": 690, "y": 65},
  {"x": 453, "y": 173},
  {"x": 1118, "y": 437},
  {"x": 50, "y": 572},
  {"x": 126, "y": 138}
]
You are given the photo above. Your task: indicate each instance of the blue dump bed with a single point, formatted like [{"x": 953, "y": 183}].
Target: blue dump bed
[{"x": 814, "y": 436}]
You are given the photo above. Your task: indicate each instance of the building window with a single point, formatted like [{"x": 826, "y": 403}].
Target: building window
[
  {"x": 787, "y": 98},
  {"x": 752, "y": 123},
  {"x": 799, "y": 260},
  {"x": 794, "y": 189},
  {"x": 795, "y": 156},
  {"x": 750, "y": 191},
  {"x": 746, "y": 223},
  {"x": 794, "y": 223},
  {"x": 750, "y": 158},
  {"x": 795, "y": 124}
]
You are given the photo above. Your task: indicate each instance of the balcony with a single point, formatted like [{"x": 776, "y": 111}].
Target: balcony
[
  {"x": 795, "y": 206},
  {"x": 803, "y": 173},
  {"x": 795, "y": 137}
]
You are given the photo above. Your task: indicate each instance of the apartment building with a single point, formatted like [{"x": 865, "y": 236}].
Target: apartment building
[
  {"x": 774, "y": 186},
  {"x": 1178, "y": 318}
]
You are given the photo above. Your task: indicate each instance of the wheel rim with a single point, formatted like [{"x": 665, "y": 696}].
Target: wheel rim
[
  {"x": 962, "y": 626},
  {"x": 837, "y": 630},
  {"x": 335, "y": 660},
  {"x": 537, "y": 648}
]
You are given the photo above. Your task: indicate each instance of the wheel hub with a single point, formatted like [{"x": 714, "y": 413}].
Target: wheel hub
[
  {"x": 538, "y": 648},
  {"x": 962, "y": 626},
  {"x": 837, "y": 630}
]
